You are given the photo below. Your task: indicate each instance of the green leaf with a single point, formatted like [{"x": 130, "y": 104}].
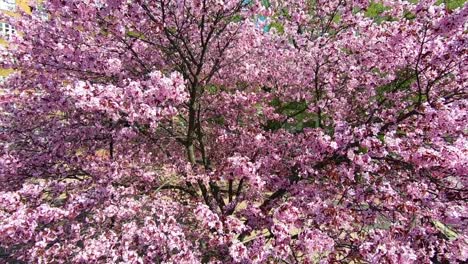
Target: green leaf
[
  {"x": 375, "y": 9},
  {"x": 381, "y": 137},
  {"x": 452, "y": 4},
  {"x": 336, "y": 18},
  {"x": 275, "y": 102},
  {"x": 266, "y": 3},
  {"x": 446, "y": 230},
  {"x": 363, "y": 150},
  {"x": 273, "y": 125},
  {"x": 408, "y": 15},
  {"x": 278, "y": 26},
  {"x": 236, "y": 18},
  {"x": 211, "y": 89}
]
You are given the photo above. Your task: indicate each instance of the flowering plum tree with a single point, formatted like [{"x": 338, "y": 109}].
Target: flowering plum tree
[{"x": 173, "y": 131}]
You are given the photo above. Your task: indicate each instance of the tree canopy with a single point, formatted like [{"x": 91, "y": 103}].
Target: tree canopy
[{"x": 233, "y": 131}]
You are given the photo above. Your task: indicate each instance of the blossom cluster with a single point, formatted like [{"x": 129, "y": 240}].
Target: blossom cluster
[{"x": 213, "y": 131}]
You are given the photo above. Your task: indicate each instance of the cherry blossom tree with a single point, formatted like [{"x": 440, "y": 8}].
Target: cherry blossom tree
[{"x": 205, "y": 131}]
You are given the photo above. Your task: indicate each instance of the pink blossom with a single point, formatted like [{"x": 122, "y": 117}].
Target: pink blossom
[{"x": 186, "y": 132}]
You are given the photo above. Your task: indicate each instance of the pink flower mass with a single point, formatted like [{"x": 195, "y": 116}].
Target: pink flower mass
[{"x": 235, "y": 131}]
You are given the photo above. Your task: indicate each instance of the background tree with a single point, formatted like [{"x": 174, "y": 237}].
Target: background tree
[{"x": 235, "y": 131}]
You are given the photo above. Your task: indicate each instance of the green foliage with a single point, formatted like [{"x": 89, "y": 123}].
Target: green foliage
[
  {"x": 237, "y": 18},
  {"x": 336, "y": 18},
  {"x": 375, "y": 11},
  {"x": 381, "y": 137},
  {"x": 358, "y": 177},
  {"x": 275, "y": 102},
  {"x": 298, "y": 118},
  {"x": 135, "y": 34},
  {"x": 211, "y": 89},
  {"x": 452, "y": 4},
  {"x": 408, "y": 15},
  {"x": 219, "y": 120},
  {"x": 273, "y": 125},
  {"x": 449, "y": 4},
  {"x": 266, "y": 3},
  {"x": 278, "y": 26},
  {"x": 292, "y": 107},
  {"x": 403, "y": 82},
  {"x": 445, "y": 229},
  {"x": 363, "y": 150}
]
